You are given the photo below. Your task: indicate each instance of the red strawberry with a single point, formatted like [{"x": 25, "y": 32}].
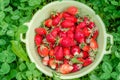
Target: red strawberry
[
  {"x": 45, "y": 60},
  {"x": 86, "y": 48},
  {"x": 51, "y": 53},
  {"x": 66, "y": 42},
  {"x": 72, "y": 29},
  {"x": 55, "y": 31},
  {"x": 56, "y": 49},
  {"x": 52, "y": 63},
  {"x": 75, "y": 50},
  {"x": 38, "y": 40},
  {"x": 67, "y": 53},
  {"x": 86, "y": 31},
  {"x": 59, "y": 53},
  {"x": 70, "y": 34},
  {"x": 86, "y": 19},
  {"x": 51, "y": 45},
  {"x": 65, "y": 14},
  {"x": 81, "y": 60},
  {"x": 91, "y": 25},
  {"x": 93, "y": 44},
  {"x": 62, "y": 34},
  {"x": 43, "y": 51},
  {"x": 67, "y": 24},
  {"x": 72, "y": 10},
  {"x": 65, "y": 68},
  {"x": 66, "y": 61},
  {"x": 81, "y": 25},
  {"x": 40, "y": 31},
  {"x": 76, "y": 67},
  {"x": 84, "y": 54},
  {"x": 73, "y": 42},
  {"x": 79, "y": 36},
  {"x": 87, "y": 62},
  {"x": 56, "y": 21},
  {"x": 95, "y": 34},
  {"x": 48, "y": 23},
  {"x": 50, "y": 38},
  {"x": 71, "y": 18}
]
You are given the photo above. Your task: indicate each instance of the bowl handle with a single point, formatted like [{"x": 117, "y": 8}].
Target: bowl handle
[
  {"x": 111, "y": 42},
  {"x": 21, "y": 35}
]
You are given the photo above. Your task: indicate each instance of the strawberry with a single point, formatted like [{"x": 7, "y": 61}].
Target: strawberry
[
  {"x": 59, "y": 53},
  {"x": 71, "y": 18},
  {"x": 86, "y": 19},
  {"x": 62, "y": 34},
  {"x": 45, "y": 60},
  {"x": 76, "y": 67},
  {"x": 65, "y": 14},
  {"x": 72, "y": 10},
  {"x": 55, "y": 31},
  {"x": 75, "y": 50},
  {"x": 91, "y": 25},
  {"x": 65, "y": 61},
  {"x": 56, "y": 21},
  {"x": 51, "y": 53},
  {"x": 65, "y": 42},
  {"x": 86, "y": 32},
  {"x": 56, "y": 49},
  {"x": 65, "y": 68},
  {"x": 79, "y": 36},
  {"x": 81, "y": 60},
  {"x": 67, "y": 53},
  {"x": 51, "y": 45},
  {"x": 50, "y": 38},
  {"x": 84, "y": 54},
  {"x": 72, "y": 28},
  {"x": 87, "y": 62},
  {"x": 48, "y": 23},
  {"x": 95, "y": 34},
  {"x": 93, "y": 44},
  {"x": 43, "y": 51},
  {"x": 86, "y": 48},
  {"x": 52, "y": 63},
  {"x": 38, "y": 40},
  {"x": 70, "y": 34},
  {"x": 67, "y": 24},
  {"x": 81, "y": 25},
  {"x": 40, "y": 31}
]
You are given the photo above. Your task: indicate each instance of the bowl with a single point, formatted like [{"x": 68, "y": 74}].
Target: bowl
[{"x": 59, "y": 6}]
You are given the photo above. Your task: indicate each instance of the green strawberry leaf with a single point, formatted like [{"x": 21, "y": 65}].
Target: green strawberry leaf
[{"x": 74, "y": 60}]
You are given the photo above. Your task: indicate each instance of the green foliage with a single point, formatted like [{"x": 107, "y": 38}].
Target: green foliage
[
  {"x": 5, "y": 68},
  {"x": 14, "y": 62}
]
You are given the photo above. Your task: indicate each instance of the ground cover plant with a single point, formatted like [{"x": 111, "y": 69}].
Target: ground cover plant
[{"x": 14, "y": 62}]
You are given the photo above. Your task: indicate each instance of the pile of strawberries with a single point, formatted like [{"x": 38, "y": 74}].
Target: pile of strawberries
[{"x": 66, "y": 41}]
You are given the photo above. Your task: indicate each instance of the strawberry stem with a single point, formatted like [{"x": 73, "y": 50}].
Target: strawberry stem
[{"x": 82, "y": 45}]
